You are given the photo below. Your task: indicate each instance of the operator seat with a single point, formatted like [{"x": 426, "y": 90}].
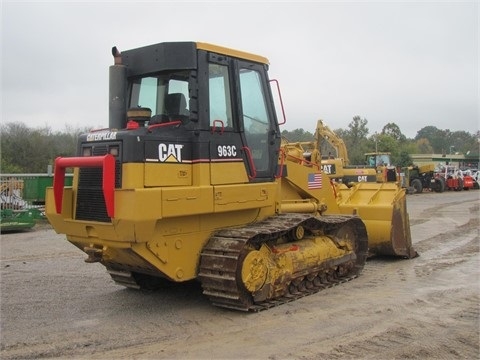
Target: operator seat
[{"x": 176, "y": 107}]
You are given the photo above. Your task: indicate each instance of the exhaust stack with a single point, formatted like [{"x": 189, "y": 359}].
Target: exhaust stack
[{"x": 117, "y": 107}]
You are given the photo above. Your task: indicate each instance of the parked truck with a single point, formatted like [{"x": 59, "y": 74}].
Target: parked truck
[{"x": 418, "y": 178}]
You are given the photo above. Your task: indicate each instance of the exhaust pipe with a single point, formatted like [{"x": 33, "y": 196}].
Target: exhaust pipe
[{"x": 117, "y": 107}]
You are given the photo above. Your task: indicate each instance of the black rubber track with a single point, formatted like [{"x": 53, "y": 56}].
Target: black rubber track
[{"x": 223, "y": 255}]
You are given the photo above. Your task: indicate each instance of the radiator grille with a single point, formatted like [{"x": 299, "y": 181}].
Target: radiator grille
[{"x": 90, "y": 202}]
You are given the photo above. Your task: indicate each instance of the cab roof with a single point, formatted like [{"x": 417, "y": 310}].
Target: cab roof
[{"x": 232, "y": 52}]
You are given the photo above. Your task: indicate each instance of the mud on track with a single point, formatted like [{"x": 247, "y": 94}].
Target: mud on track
[{"x": 53, "y": 305}]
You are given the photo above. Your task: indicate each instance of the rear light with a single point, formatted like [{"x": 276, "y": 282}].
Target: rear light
[
  {"x": 87, "y": 151},
  {"x": 114, "y": 150}
]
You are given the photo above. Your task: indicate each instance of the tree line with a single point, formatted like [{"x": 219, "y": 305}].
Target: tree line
[
  {"x": 31, "y": 150},
  {"x": 429, "y": 140}
]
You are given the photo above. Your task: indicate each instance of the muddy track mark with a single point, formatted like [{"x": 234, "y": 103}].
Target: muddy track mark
[{"x": 438, "y": 211}]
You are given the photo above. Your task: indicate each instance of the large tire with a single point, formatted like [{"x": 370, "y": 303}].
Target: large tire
[
  {"x": 439, "y": 185},
  {"x": 417, "y": 186}
]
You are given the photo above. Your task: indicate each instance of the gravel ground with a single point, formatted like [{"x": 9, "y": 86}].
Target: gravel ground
[{"x": 54, "y": 305}]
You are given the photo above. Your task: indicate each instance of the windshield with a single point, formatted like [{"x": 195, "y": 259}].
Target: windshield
[
  {"x": 383, "y": 160},
  {"x": 166, "y": 95}
]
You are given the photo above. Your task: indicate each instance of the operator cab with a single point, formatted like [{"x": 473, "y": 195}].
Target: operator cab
[
  {"x": 378, "y": 159},
  {"x": 220, "y": 97}
]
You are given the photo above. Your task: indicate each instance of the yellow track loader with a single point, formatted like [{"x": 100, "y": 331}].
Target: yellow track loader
[{"x": 191, "y": 181}]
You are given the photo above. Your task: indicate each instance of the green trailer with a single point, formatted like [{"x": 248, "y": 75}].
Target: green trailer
[
  {"x": 14, "y": 220},
  {"x": 22, "y": 199},
  {"x": 35, "y": 185}
]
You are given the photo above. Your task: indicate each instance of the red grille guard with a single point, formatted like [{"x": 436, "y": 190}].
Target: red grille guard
[{"x": 106, "y": 162}]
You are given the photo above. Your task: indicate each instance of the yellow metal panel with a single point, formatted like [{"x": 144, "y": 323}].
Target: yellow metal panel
[
  {"x": 228, "y": 173},
  {"x": 220, "y": 220},
  {"x": 168, "y": 174},
  {"x": 179, "y": 201},
  {"x": 132, "y": 175},
  {"x": 244, "y": 196},
  {"x": 174, "y": 246},
  {"x": 295, "y": 186},
  {"x": 201, "y": 174},
  {"x": 58, "y": 220},
  {"x": 174, "y": 256},
  {"x": 382, "y": 207},
  {"x": 426, "y": 168},
  {"x": 232, "y": 52},
  {"x": 138, "y": 205}
]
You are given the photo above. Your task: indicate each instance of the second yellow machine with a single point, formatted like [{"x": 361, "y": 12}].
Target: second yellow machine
[{"x": 191, "y": 181}]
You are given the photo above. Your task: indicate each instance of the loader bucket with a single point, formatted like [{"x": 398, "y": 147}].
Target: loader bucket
[{"x": 383, "y": 209}]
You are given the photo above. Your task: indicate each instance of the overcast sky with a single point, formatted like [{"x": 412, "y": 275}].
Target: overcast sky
[{"x": 413, "y": 63}]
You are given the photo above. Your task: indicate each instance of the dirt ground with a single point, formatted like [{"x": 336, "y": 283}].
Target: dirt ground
[{"x": 53, "y": 305}]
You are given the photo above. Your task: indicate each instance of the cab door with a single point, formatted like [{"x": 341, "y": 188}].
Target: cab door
[{"x": 258, "y": 126}]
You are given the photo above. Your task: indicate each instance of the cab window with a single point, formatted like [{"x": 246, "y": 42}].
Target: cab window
[
  {"x": 165, "y": 94},
  {"x": 219, "y": 94},
  {"x": 255, "y": 117}
]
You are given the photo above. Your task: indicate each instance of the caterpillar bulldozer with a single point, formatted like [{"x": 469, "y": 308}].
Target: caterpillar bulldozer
[{"x": 191, "y": 181}]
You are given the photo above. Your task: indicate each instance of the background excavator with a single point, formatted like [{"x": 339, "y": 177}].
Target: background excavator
[
  {"x": 377, "y": 167},
  {"x": 191, "y": 181}
]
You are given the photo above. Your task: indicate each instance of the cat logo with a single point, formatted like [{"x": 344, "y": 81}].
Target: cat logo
[
  {"x": 329, "y": 169},
  {"x": 170, "y": 152}
]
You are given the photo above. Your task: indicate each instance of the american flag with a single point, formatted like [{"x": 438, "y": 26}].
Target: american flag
[{"x": 315, "y": 181}]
